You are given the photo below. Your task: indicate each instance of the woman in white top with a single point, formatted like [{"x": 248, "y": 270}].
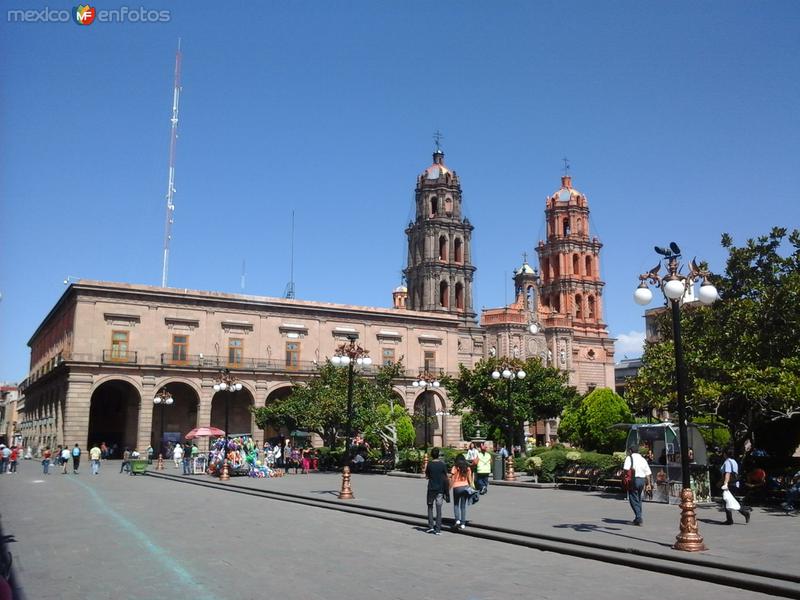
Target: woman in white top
[
  {"x": 472, "y": 455},
  {"x": 641, "y": 481},
  {"x": 177, "y": 455}
]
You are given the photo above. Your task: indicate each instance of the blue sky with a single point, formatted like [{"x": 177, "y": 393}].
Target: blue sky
[{"x": 679, "y": 119}]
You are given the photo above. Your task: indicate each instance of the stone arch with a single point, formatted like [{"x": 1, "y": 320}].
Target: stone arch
[
  {"x": 443, "y": 247},
  {"x": 427, "y": 424},
  {"x": 114, "y": 414},
  {"x": 192, "y": 383},
  {"x": 172, "y": 422},
  {"x": 133, "y": 381},
  {"x": 278, "y": 392},
  {"x": 444, "y": 294},
  {"x": 238, "y": 406}
]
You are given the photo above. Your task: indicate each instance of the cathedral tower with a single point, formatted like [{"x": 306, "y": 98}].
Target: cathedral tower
[{"x": 440, "y": 271}]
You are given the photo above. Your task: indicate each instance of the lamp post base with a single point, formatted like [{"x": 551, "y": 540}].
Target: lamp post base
[
  {"x": 160, "y": 463},
  {"x": 689, "y": 539},
  {"x": 346, "y": 493},
  {"x": 509, "y": 475},
  {"x": 224, "y": 475}
]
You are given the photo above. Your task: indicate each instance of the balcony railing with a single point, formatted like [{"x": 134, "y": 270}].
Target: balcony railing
[{"x": 119, "y": 356}]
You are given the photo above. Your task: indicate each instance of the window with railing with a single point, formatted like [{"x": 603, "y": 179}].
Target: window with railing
[
  {"x": 180, "y": 349},
  {"x": 292, "y": 355},
  {"x": 429, "y": 361},
  {"x": 387, "y": 356},
  {"x": 235, "y": 352},
  {"x": 119, "y": 345}
]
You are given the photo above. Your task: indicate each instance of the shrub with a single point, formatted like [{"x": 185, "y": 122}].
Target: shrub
[
  {"x": 410, "y": 460},
  {"x": 552, "y": 461},
  {"x": 573, "y": 456},
  {"x": 588, "y": 425}
]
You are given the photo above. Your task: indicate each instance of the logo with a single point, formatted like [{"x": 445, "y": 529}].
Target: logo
[{"x": 84, "y": 14}]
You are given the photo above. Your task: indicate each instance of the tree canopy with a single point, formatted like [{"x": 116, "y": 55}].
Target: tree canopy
[
  {"x": 542, "y": 394},
  {"x": 588, "y": 422},
  {"x": 742, "y": 352},
  {"x": 319, "y": 405}
]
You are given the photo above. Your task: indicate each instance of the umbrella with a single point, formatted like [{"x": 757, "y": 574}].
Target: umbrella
[{"x": 204, "y": 432}]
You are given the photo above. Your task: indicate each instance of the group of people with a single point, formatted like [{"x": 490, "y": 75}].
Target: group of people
[
  {"x": 467, "y": 480},
  {"x": 642, "y": 482},
  {"x": 9, "y": 458}
]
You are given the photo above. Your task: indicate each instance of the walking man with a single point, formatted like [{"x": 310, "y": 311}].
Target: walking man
[
  {"x": 641, "y": 481},
  {"x": 95, "y": 454},
  {"x": 5, "y": 455},
  {"x": 187, "y": 460},
  {"x": 76, "y": 458},
  {"x": 126, "y": 461},
  {"x": 730, "y": 483},
  {"x": 46, "y": 460},
  {"x": 438, "y": 484},
  {"x": 483, "y": 469},
  {"x": 65, "y": 454}
]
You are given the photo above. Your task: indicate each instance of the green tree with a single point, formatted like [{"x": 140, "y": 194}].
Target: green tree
[
  {"x": 542, "y": 394},
  {"x": 743, "y": 352},
  {"x": 319, "y": 405},
  {"x": 588, "y": 422}
]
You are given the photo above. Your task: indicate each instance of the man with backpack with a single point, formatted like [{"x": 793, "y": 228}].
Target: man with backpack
[
  {"x": 76, "y": 458},
  {"x": 730, "y": 483}
]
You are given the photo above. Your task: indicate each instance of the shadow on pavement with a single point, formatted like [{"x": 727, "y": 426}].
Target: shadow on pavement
[{"x": 593, "y": 528}]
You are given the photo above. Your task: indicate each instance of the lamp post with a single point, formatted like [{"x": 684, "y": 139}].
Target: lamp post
[
  {"x": 226, "y": 383},
  {"x": 443, "y": 414},
  {"x": 425, "y": 381},
  {"x": 674, "y": 286},
  {"x": 349, "y": 355},
  {"x": 509, "y": 372},
  {"x": 163, "y": 399}
]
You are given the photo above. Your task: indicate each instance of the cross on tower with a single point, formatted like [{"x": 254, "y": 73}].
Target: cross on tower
[
  {"x": 566, "y": 166},
  {"x": 525, "y": 258},
  {"x": 437, "y": 138}
]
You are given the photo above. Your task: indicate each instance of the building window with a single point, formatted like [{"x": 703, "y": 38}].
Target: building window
[
  {"x": 591, "y": 307},
  {"x": 443, "y": 249},
  {"x": 576, "y": 265},
  {"x": 388, "y": 356},
  {"x": 119, "y": 345},
  {"x": 588, "y": 266},
  {"x": 578, "y": 306},
  {"x": 460, "y": 296},
  {"x": 235, "y": 351},
  {"x": 429, "y": 361},
  {"x": 458, "y": 251},
  {"x": 180, "y": 348},
  {"x": 434, "y": 206},
  {"x": 444, "y": 295},
  {"x": 292, "y": 355},
  {"x": 566, "y": 227}
]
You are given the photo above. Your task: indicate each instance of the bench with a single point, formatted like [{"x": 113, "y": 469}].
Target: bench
[
  {"x": 383, "y": 465},
  {"x": 612, "y": 479},
  {"x": 579, "y": 477},
  {"x": 138, "y": 466}
]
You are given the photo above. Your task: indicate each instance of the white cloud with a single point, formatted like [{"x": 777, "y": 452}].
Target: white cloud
[{"x": 629, "y": 344}]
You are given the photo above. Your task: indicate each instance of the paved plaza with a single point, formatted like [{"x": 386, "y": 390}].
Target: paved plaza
[{"x": 116, "y": 536}]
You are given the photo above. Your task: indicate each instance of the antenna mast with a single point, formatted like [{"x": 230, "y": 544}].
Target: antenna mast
[
  {"x": 289, "y": 292},
  {"x": 173, "y": 142}
]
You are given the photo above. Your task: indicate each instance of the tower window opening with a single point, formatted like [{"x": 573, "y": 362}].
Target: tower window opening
[
  {"x": 557, "y": 303},
  {"x": 460, "y": 296},
  {"x": 566, "y": 227},
  {"x": 591, "y": 307},
  {"x": 448, "y": 206},
  {"x": 576, "y": 265},
  {"x": 531, "y": 298},
  {"x": 444, "y": 295},
  {"x": 443, "y": 248},
  {"x": 458, "y": 251},
  {"x": 434, "y": 206},
  {"x": 580, "y": 226},
  {"x": 589, "y": 266},
  {"x": 578, "y": 306}
]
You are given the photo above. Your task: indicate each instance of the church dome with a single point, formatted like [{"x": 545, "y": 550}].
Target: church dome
[
  {"x": 438, "y": 168},
  {"x": 401, "y": 288},
  {"x": 567, "y": 191},
  {"x": 525, "y": 269}
]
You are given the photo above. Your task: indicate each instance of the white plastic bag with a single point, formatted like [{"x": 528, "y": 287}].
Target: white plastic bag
[{"x": 731, "y": 503}]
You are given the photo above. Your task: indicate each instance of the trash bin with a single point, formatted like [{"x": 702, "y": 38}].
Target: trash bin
[{"x": 497, "y": 467}]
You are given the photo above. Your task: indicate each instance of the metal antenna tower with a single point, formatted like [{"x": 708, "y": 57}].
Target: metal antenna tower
[
  {"x": 289, "y": 291},
  {"x": 173, "y": 142}
]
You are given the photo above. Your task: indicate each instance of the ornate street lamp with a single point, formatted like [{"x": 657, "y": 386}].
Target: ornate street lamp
[
  {"x": 226, "y": 382},
  {"x": 426, "y": 381},
  {"x": 163, "y": 399},
  {"x": 349, "y": 355},
  {"x": 509, "y": 372},
  {"x": 675, "y": 286}
]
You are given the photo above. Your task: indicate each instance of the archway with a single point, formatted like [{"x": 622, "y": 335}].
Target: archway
[
  {"x": 426, "y": 424},
  {"x": 114, "y": 416},
  {"x": 239, "y": 415},
  {"x": 174, "y": 420},
  {"x": 272, "y": 433}
]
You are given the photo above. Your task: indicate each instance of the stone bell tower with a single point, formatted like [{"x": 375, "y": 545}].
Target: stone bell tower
[{"x": 440, "y": 271}]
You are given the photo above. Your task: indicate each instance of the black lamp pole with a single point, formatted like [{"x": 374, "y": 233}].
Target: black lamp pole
[
  {"x": 350, "y": 374},
  {"x": 680, "y": 372}
]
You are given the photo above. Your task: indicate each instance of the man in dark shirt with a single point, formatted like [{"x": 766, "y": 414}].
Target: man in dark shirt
[{"x": 438, "y": 488}]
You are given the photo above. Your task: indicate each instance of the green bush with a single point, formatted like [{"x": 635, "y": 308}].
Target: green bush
[
  {"x": 549, "y": 462},
  {"x": 329, "y": 458},
  {"x": 588, "y": 425},
  {"x": 552, "y": 461},
  {"x": 410, "y": 460}
]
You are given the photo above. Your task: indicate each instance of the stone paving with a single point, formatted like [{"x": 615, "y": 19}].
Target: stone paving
[{"x": 116, "y": 536}]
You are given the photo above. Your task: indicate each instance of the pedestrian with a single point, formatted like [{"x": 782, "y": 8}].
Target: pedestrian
[
  {"x": 13, "y": 458},
  {"x": 95, "y": 454},
  {"x": 730, "y": 483},
  {"x": 472, "y": 455},
  {"x": 65, "y": 456},
  {"x": 5, "y": 454},
  {"x": 28, "y": 453},
  {"x": 76, "y": 458},
  {"x": 483, "y": 469},
  {"x": 187, "y": 461},
  {"x": 103, "y": 451},
  {"x": 126, "y": 461},
  {"x": 150, "y": 453},
  {"x": 46, "y": 460},
  {"x": 295, "y": 458},
  {"x": 177, "y": 454},
  {"x": 461, "y": 484},
  {"x": 792, "y": 494},
  {"x": 438, "y": 490},
  {"x": 306, "y": 460},
  {"x": 641, "y": 481}
]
